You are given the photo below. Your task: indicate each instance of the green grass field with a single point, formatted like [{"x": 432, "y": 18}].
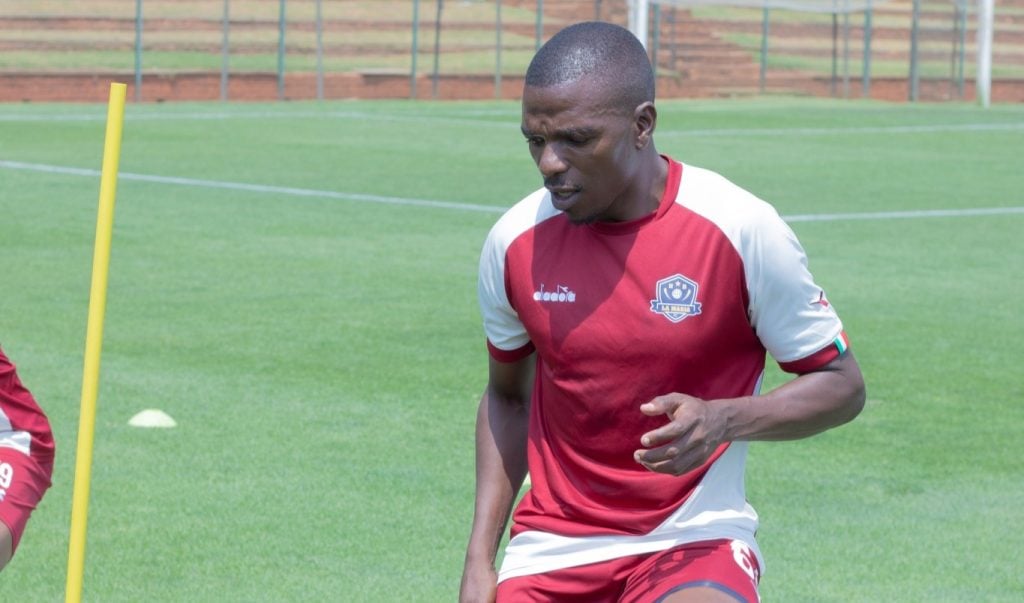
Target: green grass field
[{"x": 295, "y": 284}]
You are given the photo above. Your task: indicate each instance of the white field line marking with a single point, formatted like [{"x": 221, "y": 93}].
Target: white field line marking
[
  {"x": 307, "y": 192},
  {"x": 919, "y": 129},
  {"x": 253, "y": 188},
  {"x": 892, "y": 215},
  {"x": 468, "y": 120}
]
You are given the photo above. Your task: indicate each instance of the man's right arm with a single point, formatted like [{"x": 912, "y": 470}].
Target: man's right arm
[{"x": 501, "y": 427}]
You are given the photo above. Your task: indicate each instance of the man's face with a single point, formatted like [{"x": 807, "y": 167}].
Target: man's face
[{"x": 585, "y": 149}]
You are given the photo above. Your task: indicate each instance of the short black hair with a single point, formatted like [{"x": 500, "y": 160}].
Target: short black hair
[{"x": 600, "y": 50}]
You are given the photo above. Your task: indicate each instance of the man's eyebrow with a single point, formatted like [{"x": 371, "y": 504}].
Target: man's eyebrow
[{"x": 580, "y": 132}]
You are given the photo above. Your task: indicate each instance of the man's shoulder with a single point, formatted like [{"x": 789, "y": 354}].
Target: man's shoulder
[
  {"x": 523, "y": 216},
  {"x": 696, "y": 181},
  {"x": 720, "y": 200}
]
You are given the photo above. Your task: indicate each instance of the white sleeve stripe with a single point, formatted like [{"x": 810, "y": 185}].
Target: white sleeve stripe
[{"x": 17, "y": 440}]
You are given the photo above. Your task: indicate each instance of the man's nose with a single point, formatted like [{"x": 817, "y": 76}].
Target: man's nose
[{"x": 550, "y": 163}]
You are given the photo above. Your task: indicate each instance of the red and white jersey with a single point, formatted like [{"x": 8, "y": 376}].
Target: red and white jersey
[
  {"x": 23, "y": 425},
  {"x": 687, "y": 299}
]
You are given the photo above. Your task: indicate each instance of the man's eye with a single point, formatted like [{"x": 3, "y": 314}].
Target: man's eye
[{"x": 534, "y": 141}]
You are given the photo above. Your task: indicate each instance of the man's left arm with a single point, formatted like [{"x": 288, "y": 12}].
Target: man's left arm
[{"x": 808, "y": 404}]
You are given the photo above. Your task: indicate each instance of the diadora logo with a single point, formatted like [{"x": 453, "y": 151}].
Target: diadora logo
[
  {"x": 560, "y": 294},
  {"x": 675, "y": 298}
]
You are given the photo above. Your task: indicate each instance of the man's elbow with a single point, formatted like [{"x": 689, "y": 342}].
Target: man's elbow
[{"x": 855, "y": 397}]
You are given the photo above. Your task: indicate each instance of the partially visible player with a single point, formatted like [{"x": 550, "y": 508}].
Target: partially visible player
[{"x": 26, "y": 458}]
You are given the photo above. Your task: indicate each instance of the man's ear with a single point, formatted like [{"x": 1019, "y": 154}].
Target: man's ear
[{"x": 645, "y": 116}]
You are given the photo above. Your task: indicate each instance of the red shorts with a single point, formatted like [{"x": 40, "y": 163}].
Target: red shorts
[
  {"x": 22, "y": 484},
  {"x": 726, "y": 565}
]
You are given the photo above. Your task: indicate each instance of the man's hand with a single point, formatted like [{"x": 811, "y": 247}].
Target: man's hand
[
  {"x": 479, "y": 583},
  {"x": 694, "y": 431}
]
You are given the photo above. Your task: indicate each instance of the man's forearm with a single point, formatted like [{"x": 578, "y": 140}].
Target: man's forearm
[
  {"x": 807, "y": 405},
  {"x": 500, "y": 469}
]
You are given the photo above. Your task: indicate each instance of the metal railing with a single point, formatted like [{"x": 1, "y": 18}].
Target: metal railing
[{"x": 323, "y": 48}]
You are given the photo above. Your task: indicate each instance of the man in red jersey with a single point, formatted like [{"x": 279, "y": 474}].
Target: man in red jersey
[
  {"x": 629, "y": 306},
  {"x": 26, "y": 458}
]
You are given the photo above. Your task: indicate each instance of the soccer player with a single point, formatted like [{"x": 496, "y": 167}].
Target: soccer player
[
  {"x": 628, "y": 307},
  {"x": 26, "y": 458}
]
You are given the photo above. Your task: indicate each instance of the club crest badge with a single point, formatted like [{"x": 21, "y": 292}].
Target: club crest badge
[{"x": 675, "y": 298}]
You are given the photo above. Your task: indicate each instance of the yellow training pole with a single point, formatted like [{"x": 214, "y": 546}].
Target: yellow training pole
[{"x": 94, "y": 341}]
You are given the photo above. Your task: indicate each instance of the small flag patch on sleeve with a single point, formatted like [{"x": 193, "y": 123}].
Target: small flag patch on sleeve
[
  {"x": 842, "y": 343},
  {"x": 832, "y": 350}
]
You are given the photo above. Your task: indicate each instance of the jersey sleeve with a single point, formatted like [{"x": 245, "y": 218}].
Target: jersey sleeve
[
  {"x": 787, "y": 309},
  {"x": 24, "y": 426},
  {"x": 507, "y": 339}
]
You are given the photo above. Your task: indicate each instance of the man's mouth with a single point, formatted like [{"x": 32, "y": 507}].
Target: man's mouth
[{"x": 563, "y": 197}]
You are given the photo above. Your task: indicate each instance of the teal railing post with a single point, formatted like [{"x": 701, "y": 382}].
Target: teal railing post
[
  {"x": 655, "y": 37},
  {"x": 437, "y": 48},
  {"x": 415, "y": 47},
  {"x": 138, "y": 50},
  {"x": 765, "y": 19},
  {"x": 540, "y": 24},
  {"x": 961, "y": 41},
  {"x": 846, "y": 48},
  {"x": 914, "y": 76},
  {"x": 835, "y": 49},
  {"x": 225, "y": 51},
  {"x": 865, "y": 85},
  {"x": 280, "y": 50},
  {"x": 497, "y": 49},
  {"x": 319, "y": 51}
]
